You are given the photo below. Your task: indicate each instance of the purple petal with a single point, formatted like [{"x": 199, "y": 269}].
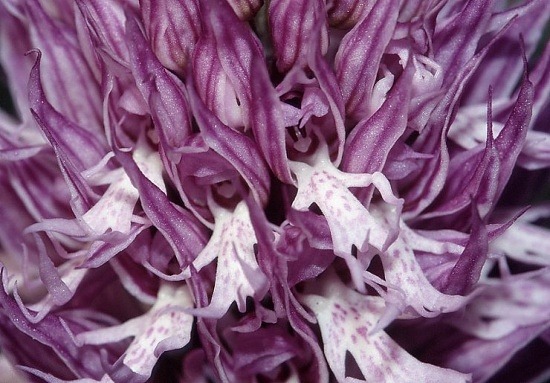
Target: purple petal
[
  {"x": 347, "y": 13},
  {"x": 167, "y": 102},
  {"x": 510, "y": 141},
  {"x": 293, "y": 24},
  {"x": 306, "y": 262},
  {"x": 245, "y": 68},
  {"x": 185, "y": 235},
  {"x": 238, "y": 149},
  {"x": 245, "y": 9},
  {"x": 263, "y": 351},
  {"x": 173, "y": 28},
  {"x": 76, "y": 149},
  {"x": 68, "y": 72},
  {"x": 355, "y": 73},
  {"x": 215, "y": 88},
  {"x": 46, "y": 344},
  {"x": 370, "y": 142},
  {"x": 456, "y": 42},
  {"x": 435, "y": 169},
  {"x": 467, "y": 270},
  {"x": 105, "y": 26}
]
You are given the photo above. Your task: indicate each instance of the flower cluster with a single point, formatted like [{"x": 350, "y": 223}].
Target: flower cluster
[{"x": 274, "y": 191}]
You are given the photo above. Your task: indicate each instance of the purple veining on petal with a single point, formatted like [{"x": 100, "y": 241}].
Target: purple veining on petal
[
  {"x": 355, "y": 73},
  {"x": 173, "y": 28},
  {"x": 369, "y": 132},
  {"x": 292, "y": 25},
  {"x": 68, "y": 72},
  {"x": 346, "y": 13}
]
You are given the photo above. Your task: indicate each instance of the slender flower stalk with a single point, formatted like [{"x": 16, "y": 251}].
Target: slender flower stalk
[{"x": 274, "y": 191}]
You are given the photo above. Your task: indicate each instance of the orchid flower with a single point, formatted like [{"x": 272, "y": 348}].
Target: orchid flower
[{"x": 274, "y": 191}]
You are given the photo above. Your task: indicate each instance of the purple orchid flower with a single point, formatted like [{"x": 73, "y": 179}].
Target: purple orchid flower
[{"x": 274, "y": 191}]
